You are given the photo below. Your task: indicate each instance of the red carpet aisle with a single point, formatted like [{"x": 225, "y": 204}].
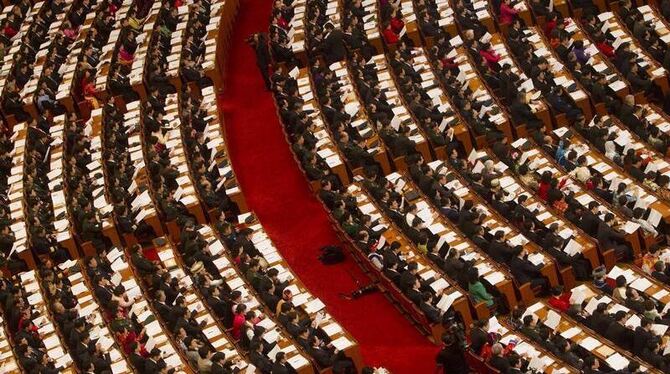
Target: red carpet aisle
[{"x": 276, "y": 190}]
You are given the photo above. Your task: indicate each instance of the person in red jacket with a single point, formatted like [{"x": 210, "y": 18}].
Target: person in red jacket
[
  {"x": 604, "y": 47},
  {"x": 550, "y": 25},
  {"x": 397, "y": 24},
  {"x": 491, "y": 57},
  {"x": 390, "y": 36},
  {"x": 559, "y": 299},
  {"x": 545, "y": 185},
  {"x": 239, "y": 320},
  {"x": 7, "y": 28},
  {"x": 507, "y": 12}
]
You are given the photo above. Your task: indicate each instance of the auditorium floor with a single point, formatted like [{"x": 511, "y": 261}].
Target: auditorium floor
[{"x": 278, "y": 193}]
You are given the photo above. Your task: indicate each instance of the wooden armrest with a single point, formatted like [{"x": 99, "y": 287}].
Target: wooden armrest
[
  {"x": 609, "y": 258},
  {"x": 526, "y": 293},
  {"x": 482, "y": 311},
  {"x": 567, "y": 277}
]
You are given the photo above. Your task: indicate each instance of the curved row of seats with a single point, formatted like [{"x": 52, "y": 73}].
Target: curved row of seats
[
  {"x": 611, "y": 167},
  {"x": 82, "y": 167}
]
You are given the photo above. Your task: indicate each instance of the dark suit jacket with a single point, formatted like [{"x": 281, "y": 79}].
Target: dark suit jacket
[
  {"x": 500, "y": 363},
  {"x": 523, "y": 270},
  {"x": 478, "y": 338},
  {"x": 620, "y": 335},
  {"x": 333, "y": 47},
  {"x": 640, "y": 340},
  {"x": 607, "y": 237}
]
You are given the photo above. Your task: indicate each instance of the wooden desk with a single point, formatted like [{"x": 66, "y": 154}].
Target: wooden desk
[
  {"x": 274, "y": 333},
  {"x": 359, "y": 118},
  {"x": 144, "y": 313},
  {"x": 220, "y": 156},
  {"x": 88, "y": 308},
  {"x": 139, "y": 65},
  {"x": 535, "y": 100},
  {"x": 562, "y": 7},
  {"x": 302, "y": 299},
  {"x": 481, "y": 92},
  {"x": 593, "y": 297},
  {"x": 59, "y": 177},
  {"x": 660, "y": 25},
  {"x": 577, "y": 334},
  {"x": 484, "y": 15},
  {"x": 657, "y": 117},
  {"x": 523, "y": 13},
  {"x": 431, "y": 86},
  {"x": 599, "y": 63},
  {"x": 17, "y": 205},
  {"x": 214, "y": 331},
  {"x": 108, "y": 56},
  {"x": 185, "y": 191},
  {"x": 219, "y": 30},
  {"x": 445, "y": 21},
  {"x": 498, "y": 223},
  {"x": 539, "y": 359},
  {"x": 642, "y": 282},
  {"x": 546, "y": 214},
  {"x": 400, "y": 111},
  {"x": 178, "y": 159},
  {"x": 101, "y": 203},
  {"x": 558, "y": 72},
  {"x": 141, "y": 205},
  {"x": 326, "y": 147},
  {"x": 370, "y": 26},
  {"x": 29, "y": 91},
  {"x": 496, "y": 274},
  {"x": 47, "y": 329},
  {"x": 613, "y": 173},
  {"x": 409, "y": 16},
  {"x": 8, "y": 360},
  {"x": 426, "y": 269},
  {"x": 69, "y": 69},
  {"x": 618, "y": 29},
  {"x": 7, "y": 65}
]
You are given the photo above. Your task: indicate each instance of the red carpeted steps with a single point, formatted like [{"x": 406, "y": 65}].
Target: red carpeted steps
[{"x": 278, "y": 193}]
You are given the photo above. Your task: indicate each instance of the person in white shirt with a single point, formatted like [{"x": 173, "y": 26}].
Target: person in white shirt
[
  {"x": 581, "y": 172},
  {"x": 646, "y": 226},
  {"x": 610, "y": 148}
]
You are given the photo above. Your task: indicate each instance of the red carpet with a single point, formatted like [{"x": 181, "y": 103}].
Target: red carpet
[{"x": 297, "y": 223}]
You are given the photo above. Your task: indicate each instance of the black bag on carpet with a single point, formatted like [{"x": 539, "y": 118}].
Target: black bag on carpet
[{"x": 331, "y": 254}]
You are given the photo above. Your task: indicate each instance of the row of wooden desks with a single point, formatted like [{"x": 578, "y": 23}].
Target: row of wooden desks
[
  {"x": 215, "y": 332},
  {"x": 302, "y": 298},
  {"x": 449, "y": 294},
  {"x": 539, "y": 163},
  {"x": 580, "y": 335},
  {"x": 496, "y": 222},
  {"x": 614, "y": 174},
  {"x": 496, "y": 274},
  {"x": 576, "y": 241}
]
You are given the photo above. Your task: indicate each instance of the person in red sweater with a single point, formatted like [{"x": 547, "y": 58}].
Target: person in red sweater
[
  {"x": 559, "y": 299},
  {"x": 507, "y": 12},
  {"x": 545, "y": 185},
  {"x": 278, "y": 20},
  {"x": 604, "y": 47},
  {"x": 131, "y": 342},
  {"x": 390, "y": 36},
  {"x": 8, "y": 29},
  {"x": 491, "y": 57},
  {"x": 554, "y": 21},
  {"x": 397, "y": 24},
  {"x": 239, "y": 320}
]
